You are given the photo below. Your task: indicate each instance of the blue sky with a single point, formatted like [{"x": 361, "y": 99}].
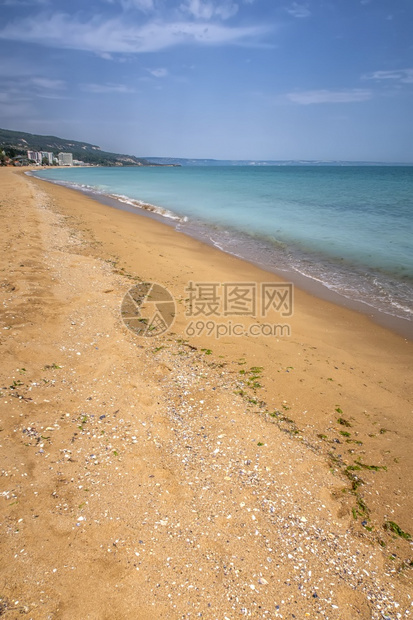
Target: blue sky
[{"x": 237, "y": 79}]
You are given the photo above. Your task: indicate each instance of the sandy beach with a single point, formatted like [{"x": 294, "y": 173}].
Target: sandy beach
[{"x": 184, "y": 476}]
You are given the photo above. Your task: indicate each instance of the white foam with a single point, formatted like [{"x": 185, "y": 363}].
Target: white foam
[{"x": 146, "y": 206}]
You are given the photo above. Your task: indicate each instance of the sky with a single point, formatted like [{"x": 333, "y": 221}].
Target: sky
[{"x": 224, "y": 79}]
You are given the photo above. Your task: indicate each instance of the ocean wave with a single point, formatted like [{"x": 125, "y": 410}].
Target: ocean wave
[
  {"x": 362, "y": 289},
  {"x": 146, "y": 206},
  {"x": 103, "y": 191},
  {"x": 377, "y": 291}
]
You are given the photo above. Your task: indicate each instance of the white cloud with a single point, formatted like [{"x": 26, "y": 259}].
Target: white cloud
[
  {"x": 47, "y": 83},
  {"x": 51, "y": 95},
  {"x": 11, "y": 95},
  {"x": 299, "y": 10},
  {"x": 107, "y": 88},
  {"x": 15, "y": 111},
  {"x": 15, "y": 102},
  {"x": 206, "y": 10},
  {"x": 329, "y": 96},
  {"x": 146, "y": 6},
  {"x": 20, "y": 88},
  {"x": 114, "y": 36},
  {"x": 23, "y": 2},
  {"x": 159, "y": 73},
  {"x": 405, "y": 76}
]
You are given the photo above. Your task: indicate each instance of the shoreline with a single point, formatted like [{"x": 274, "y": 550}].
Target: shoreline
[
  {"x": 171, "y": 474},
  {"x": 398, "y": 325}
]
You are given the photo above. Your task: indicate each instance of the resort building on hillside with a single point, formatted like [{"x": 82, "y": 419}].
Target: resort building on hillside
[
  {"x": 35, "y": 156},
  {"x": 47, "y": 156},
  {"x": 65, "y": 159},
  {"x": 42, "y": 157}
]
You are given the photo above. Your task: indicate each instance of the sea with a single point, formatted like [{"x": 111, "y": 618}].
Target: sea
[{"x": 346, "y": 229}]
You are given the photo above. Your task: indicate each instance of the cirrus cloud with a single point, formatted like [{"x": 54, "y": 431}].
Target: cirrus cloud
[
  {"x": 309, "y": 97},
  {"x": 107, "y": 88},
  {"x": 404, "y": 76},
  {"x": 47, "y": 83},
  {"x": 299, "y": 10},
  {"x": 200, "y": 9},
  {"x": 158, "y": 73},
  {"x": 115, "y": 36},
  {"x": 146, "y": 6}
]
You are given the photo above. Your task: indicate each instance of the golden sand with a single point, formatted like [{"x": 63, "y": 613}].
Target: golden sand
[{"x": 182, "y": 476}]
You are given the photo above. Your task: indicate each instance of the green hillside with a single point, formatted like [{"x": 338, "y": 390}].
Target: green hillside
[{"x": 19, "y": 142}]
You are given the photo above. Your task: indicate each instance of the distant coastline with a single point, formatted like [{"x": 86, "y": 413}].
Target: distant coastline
[
  {"x": 187, "y": 161},
  {"x": 14, "y": 145}
]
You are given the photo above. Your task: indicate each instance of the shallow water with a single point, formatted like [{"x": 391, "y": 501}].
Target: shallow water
[{"x": 349, "y": 228}]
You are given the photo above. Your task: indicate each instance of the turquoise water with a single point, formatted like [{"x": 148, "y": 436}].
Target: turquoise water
[{"x": 349, "y": 228}]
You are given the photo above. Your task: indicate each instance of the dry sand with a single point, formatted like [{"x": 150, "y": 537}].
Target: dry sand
[{"x": 161, "y": 477}]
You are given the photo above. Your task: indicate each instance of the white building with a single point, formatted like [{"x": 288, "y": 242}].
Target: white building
[
  {"x": 35, "y": 156},
  {"x": 65, "y": 159},
  {"x": 47, "y": 156}
]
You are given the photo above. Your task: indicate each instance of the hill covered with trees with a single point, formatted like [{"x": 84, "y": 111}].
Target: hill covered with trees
[{"x": 17, "y": 143}]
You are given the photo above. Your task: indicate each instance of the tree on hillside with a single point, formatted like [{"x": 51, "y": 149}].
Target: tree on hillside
[{"x": 10, "y": 151}]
